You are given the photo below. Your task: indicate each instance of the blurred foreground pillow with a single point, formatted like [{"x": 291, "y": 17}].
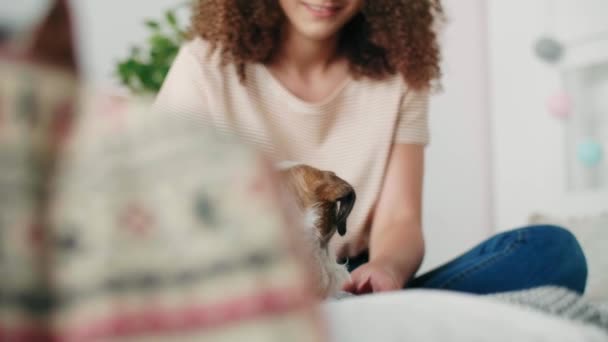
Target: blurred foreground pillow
[{"x": 117, "y": 222}]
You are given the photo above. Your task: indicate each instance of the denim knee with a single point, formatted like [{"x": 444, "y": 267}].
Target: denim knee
[{"x": 559, "y": 247}]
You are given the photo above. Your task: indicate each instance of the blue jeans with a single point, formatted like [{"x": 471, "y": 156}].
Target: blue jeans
[{"x": 514, "y": 260}]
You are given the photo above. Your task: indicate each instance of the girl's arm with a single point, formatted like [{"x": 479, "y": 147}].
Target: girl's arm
[
  {"x": 397, "y": 246},
  {"x": 397, "y": 242}
]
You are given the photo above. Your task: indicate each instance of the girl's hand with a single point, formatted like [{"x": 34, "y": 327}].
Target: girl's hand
[{"x": 375, "y": 276}]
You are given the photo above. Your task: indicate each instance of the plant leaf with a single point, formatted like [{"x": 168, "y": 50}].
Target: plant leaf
[
  {"x": 171, "y": 18},
  {"x": 152, "y": 24},
  {"x": 147, "y": 65}
]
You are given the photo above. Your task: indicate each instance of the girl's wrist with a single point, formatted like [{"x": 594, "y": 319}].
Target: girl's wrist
[
  {"x": 402, "y": 253},
  {"x": 401, "y": 269}
]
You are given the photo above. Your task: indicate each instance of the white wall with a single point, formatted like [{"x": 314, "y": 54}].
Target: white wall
[
  {"x": 20, "y": 16},
  {"x": 529, "y": 145},
  {"x": 457, "y": 197}
]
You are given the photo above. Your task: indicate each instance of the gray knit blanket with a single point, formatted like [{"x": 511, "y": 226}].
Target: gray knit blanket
[
  {"x": 561, "y": 302},
  {"x": 555, "y": 301}
]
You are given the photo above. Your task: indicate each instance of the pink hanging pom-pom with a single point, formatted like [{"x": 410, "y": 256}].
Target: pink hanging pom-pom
[{"x": 560, "y": 105}]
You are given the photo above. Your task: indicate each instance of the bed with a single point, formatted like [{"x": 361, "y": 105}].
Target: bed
[{"x": 424, "y": 315}]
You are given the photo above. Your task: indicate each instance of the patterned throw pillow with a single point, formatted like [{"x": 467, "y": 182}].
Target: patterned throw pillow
[{"x": 125, "y": 223}]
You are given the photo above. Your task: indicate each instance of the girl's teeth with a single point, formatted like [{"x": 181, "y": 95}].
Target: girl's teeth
[{"x": 320, "y": 8}]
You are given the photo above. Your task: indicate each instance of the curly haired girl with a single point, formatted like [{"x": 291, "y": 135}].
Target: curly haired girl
[{"x": 340, "y": 85}]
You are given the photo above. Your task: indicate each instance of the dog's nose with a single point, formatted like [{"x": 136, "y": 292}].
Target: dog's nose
[{"x": 344, "y": 205}]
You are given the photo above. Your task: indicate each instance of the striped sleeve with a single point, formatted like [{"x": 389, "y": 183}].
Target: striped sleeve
[
  {"x": 182, "y": 93},
  {"x": 412, "y": 123}
]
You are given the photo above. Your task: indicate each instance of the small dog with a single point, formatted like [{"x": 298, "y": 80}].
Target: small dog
[{"x": 324, "y": 201}]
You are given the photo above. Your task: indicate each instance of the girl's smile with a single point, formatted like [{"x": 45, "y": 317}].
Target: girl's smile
[
  {"x": 322, "y": 11},
  {"x": 319, "y": 19}
]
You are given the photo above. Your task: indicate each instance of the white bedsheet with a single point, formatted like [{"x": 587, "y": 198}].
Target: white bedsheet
[{"x": 429, "y": 316}]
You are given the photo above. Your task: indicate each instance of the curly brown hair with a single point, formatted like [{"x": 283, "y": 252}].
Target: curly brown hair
[{"x": 385, "y": 38}]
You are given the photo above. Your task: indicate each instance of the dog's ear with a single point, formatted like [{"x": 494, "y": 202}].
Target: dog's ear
[
  {"x": 344, "y": 205},
  {"x": 342, "y": 197},
  {"x": 331, "y": 195}
]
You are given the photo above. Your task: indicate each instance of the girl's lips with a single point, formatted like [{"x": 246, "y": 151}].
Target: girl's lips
[{"x": 322, "y": 11}]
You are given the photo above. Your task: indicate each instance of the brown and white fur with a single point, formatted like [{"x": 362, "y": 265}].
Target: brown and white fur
[{"x": 324, "y": 202}]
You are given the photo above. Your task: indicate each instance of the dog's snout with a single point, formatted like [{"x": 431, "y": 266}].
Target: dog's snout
[{"x": 344, "y": 205}]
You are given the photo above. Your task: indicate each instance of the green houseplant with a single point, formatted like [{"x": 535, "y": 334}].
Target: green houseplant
[{"x": 145, "y": 68}]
